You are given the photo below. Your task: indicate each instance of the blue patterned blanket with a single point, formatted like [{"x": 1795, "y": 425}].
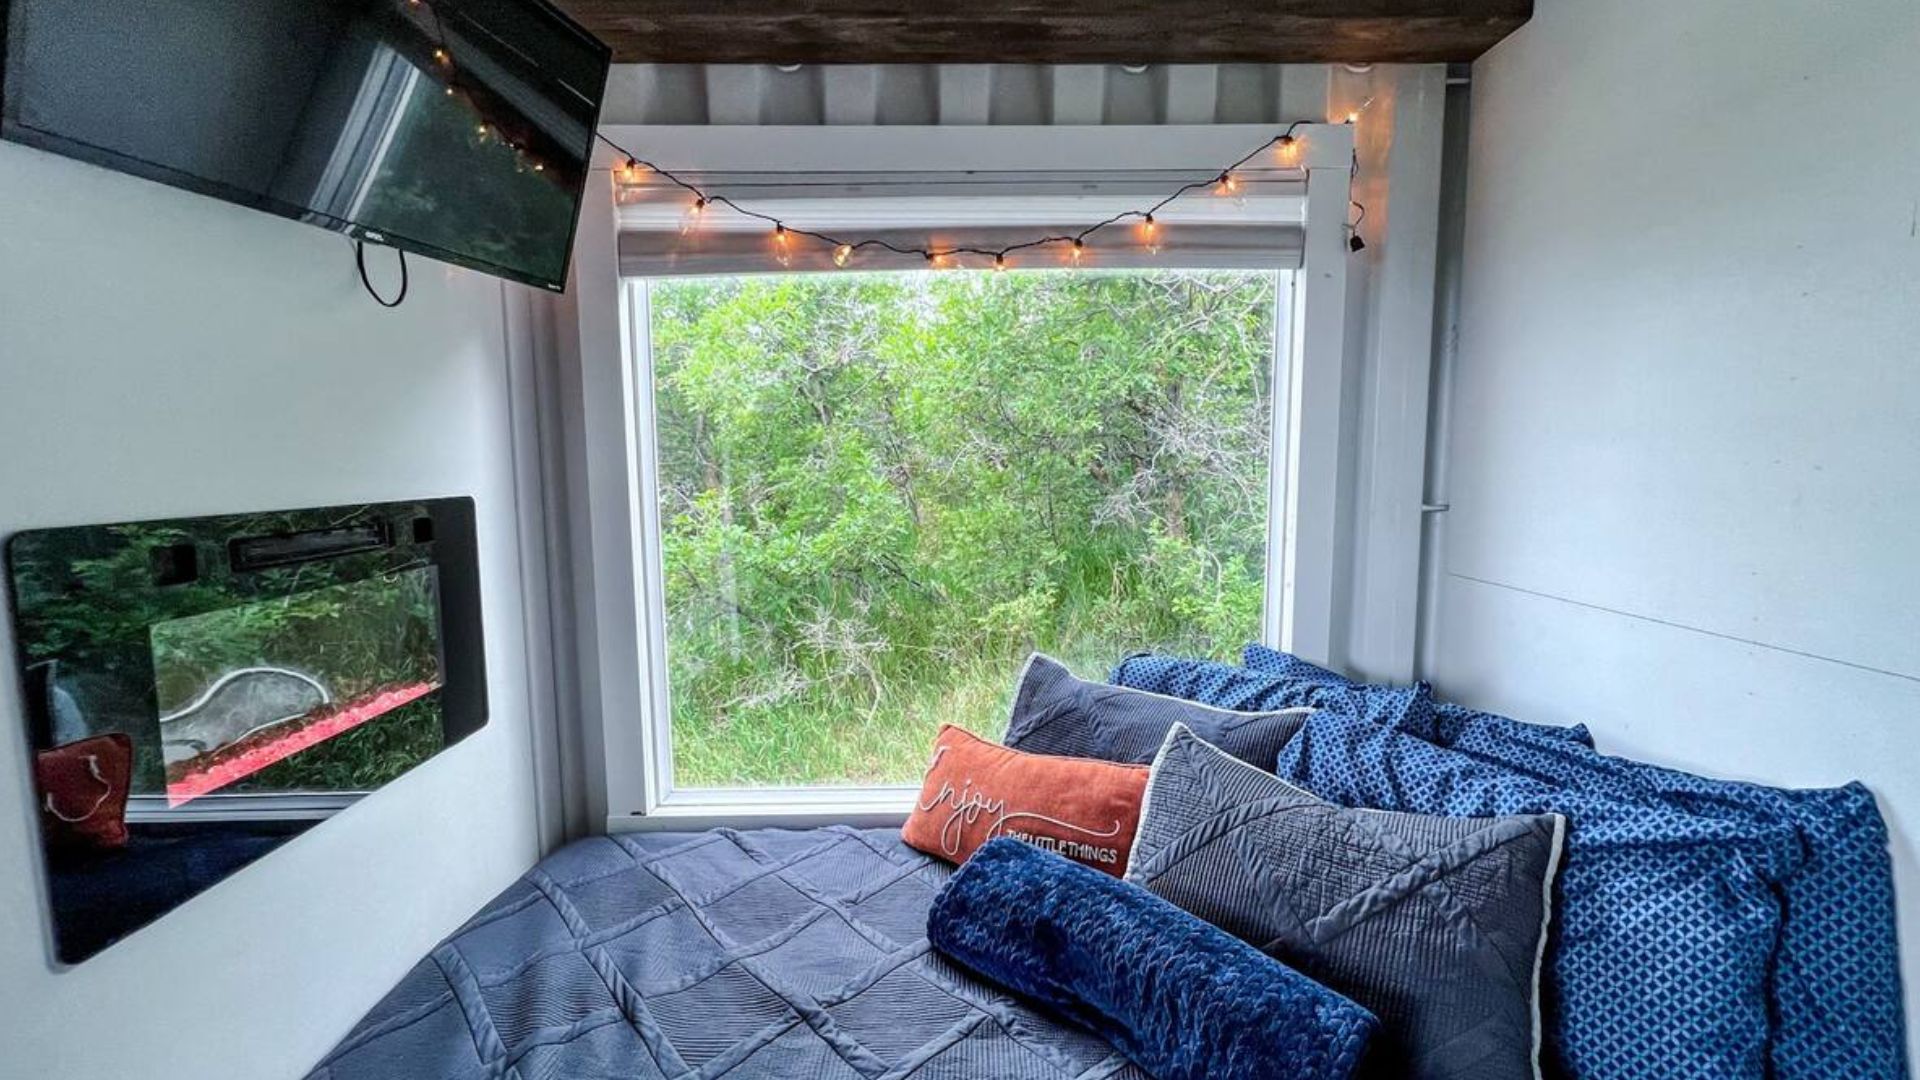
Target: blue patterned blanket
[
  {"x": 746, "y": 955},
  {"x": 1785, "y": 897}
]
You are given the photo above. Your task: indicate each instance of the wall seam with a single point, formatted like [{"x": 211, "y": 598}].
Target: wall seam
[{"x": 1656, "y": 620}]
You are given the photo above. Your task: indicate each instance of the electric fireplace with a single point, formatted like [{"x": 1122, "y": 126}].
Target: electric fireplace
[{"x": 199, "y": 691}]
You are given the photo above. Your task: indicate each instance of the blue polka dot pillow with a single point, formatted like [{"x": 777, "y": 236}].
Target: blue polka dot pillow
[
  {"x": 1666, "y": 921},
  {"x": 1452, "y": 724},
  {"x": 1835, "y": 987},
  {"x": 1409, "y": 709}
]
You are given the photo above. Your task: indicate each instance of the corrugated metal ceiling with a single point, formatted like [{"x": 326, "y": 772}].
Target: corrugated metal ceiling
[{"x": 866, "y": 94}]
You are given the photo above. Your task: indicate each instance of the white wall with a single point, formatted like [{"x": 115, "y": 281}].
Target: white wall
[
  {"x": 163, "y": 354},
  {"x": 1684, "y": 460}
]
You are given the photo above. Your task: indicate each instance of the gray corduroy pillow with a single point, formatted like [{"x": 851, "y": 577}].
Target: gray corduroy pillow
[
  {"x": 1438, "y": 925},
  {"x": 1056, "y": 713}
]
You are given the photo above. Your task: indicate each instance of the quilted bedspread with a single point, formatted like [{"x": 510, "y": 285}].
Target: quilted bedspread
[{"x": 724, "y": 954}]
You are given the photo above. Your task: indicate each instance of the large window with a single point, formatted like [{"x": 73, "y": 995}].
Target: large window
[{"x": 877, "y": 493}]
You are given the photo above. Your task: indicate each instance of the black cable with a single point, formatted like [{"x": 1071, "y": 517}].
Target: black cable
[{"x": 360, "y": 260}]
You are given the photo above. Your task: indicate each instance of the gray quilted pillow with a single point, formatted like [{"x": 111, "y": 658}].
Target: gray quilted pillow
[
  {"x": 1438, "y": 925},
  {"x": 1056, "y": 713}
]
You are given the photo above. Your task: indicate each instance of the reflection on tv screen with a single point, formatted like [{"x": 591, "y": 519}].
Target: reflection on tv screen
[{"x": 284, "y": 694}]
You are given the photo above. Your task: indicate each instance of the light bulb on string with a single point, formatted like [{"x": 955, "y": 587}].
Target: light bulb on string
[
  {"x": 696, "y": 210},
  {"x": 1150, "y": 234},
  {"x": 782, "y": 245},
  {"x": 1229, "y": 186},
  {"x": 1287, "y": 150},
  {"x": 1000, "y": 262},
  {"x": 842, "y": 255},
  {"x": 442, "y": 56},
  {"x": 632, "y": 172},
  {"x": 1078, "y": 250},
  {"x": 1352, "y": 115}
]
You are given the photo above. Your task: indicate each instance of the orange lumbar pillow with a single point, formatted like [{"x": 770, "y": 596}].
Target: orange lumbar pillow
[{"x": 976, "y": 790}]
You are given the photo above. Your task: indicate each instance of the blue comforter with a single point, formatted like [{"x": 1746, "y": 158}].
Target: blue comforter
[
  {"x": 746, "y": 955},
  {"x": 1798, "y": 966}
]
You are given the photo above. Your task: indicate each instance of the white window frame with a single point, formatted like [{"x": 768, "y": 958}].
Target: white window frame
[{"x": 607, "y": 419}]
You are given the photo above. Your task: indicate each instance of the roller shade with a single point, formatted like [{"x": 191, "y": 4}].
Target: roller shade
[{"x": 1263, "y": 228}]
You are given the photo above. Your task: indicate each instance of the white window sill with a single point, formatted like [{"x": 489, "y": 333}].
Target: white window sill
[{"x": 776, "y": 808}]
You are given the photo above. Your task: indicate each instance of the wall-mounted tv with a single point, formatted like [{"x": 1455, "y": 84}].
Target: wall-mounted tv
[{"x": 458, "y": 129}]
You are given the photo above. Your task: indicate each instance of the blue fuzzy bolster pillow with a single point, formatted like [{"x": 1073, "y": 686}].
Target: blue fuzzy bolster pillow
[{"x": 1183, "y": 999}]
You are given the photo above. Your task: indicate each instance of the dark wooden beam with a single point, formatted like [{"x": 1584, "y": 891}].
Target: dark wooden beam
[{"x": 1048, "y": 31}]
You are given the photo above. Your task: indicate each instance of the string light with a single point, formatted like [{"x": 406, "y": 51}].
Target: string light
[
  {"x": 1150, "y": 234},
  {"x": 782, "y": 245},
  {"x": 695, "y": 211},
  {"x": 1286, "y": 146}
]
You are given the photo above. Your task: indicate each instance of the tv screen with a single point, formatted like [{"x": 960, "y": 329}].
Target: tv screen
[{"x": 459, "y": 129}]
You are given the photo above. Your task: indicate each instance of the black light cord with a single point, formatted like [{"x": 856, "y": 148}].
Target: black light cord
[
  {"x": 843, "y": 248},
  {"x": 360, "y": 260},
  {"x": 1355, "y": 243}
]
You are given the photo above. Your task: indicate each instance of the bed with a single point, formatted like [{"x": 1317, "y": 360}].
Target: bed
[{"x": 746, "y": 955}]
